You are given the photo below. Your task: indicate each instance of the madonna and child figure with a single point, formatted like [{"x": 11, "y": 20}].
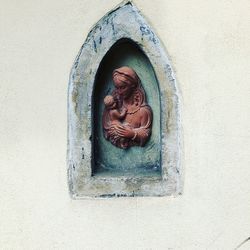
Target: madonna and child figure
[{"x": 127, "y": 118}]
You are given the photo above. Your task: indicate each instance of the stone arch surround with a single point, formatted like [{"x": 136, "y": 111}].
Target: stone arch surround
[{"x": 124, "y": 22}]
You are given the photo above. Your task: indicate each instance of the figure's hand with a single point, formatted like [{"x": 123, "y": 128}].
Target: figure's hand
[
  {"x": 112, "y": 130},
  {"x": 125, "y": 132}
]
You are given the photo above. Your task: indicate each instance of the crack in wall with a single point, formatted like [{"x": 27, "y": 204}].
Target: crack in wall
[{"x": 242, "y": 243}]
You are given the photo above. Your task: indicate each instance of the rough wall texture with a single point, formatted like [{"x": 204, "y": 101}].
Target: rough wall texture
[{"x": 209, "y": 45}]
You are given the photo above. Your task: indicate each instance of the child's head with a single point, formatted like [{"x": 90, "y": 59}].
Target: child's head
[{"x": 109, "y": 102}]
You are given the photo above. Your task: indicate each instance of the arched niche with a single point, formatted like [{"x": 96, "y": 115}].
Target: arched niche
[
  {"x": 135, "y": 161},
  {"x": 122, "y": 30}
]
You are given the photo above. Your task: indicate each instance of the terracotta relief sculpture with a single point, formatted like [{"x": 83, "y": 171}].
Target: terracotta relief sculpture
[{"x": 127, "y": 118}]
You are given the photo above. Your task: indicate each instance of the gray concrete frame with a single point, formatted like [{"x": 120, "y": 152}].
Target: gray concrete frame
[{"x": 125, "y": 21}]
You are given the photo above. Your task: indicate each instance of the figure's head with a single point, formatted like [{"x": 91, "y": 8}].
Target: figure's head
[
  {"x": 109, "y": 102},
  {"x": 126, "y": 81}
]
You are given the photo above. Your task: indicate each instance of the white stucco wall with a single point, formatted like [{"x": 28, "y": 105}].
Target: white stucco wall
[{"x": 208, "y": 42}]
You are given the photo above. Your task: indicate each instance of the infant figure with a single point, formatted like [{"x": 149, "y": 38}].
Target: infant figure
[
  {"x": 114, "y": 115},
  {"x": 115, "y": 118}
]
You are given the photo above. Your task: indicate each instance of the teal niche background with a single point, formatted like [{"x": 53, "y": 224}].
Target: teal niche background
[{"x": 106, "y": 158}]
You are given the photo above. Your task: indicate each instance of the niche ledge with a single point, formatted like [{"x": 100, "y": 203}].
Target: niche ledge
[{"x": 122, "y": 25}]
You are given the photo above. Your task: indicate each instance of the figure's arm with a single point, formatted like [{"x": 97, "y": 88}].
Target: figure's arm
[
  {"x": 123, "y": 113},
  {"x": 115, "y": 114},
  {"x": 142, "y": 134}
]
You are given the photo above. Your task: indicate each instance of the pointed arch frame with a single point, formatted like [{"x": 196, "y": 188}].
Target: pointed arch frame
[{"x": 124, "y": 22}]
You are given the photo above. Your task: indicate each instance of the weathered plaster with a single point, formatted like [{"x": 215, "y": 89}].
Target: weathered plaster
[{"x": 125, "y": 21}]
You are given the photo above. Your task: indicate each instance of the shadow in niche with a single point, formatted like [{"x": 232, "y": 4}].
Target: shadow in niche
[{"x": 108, "y": 160}]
